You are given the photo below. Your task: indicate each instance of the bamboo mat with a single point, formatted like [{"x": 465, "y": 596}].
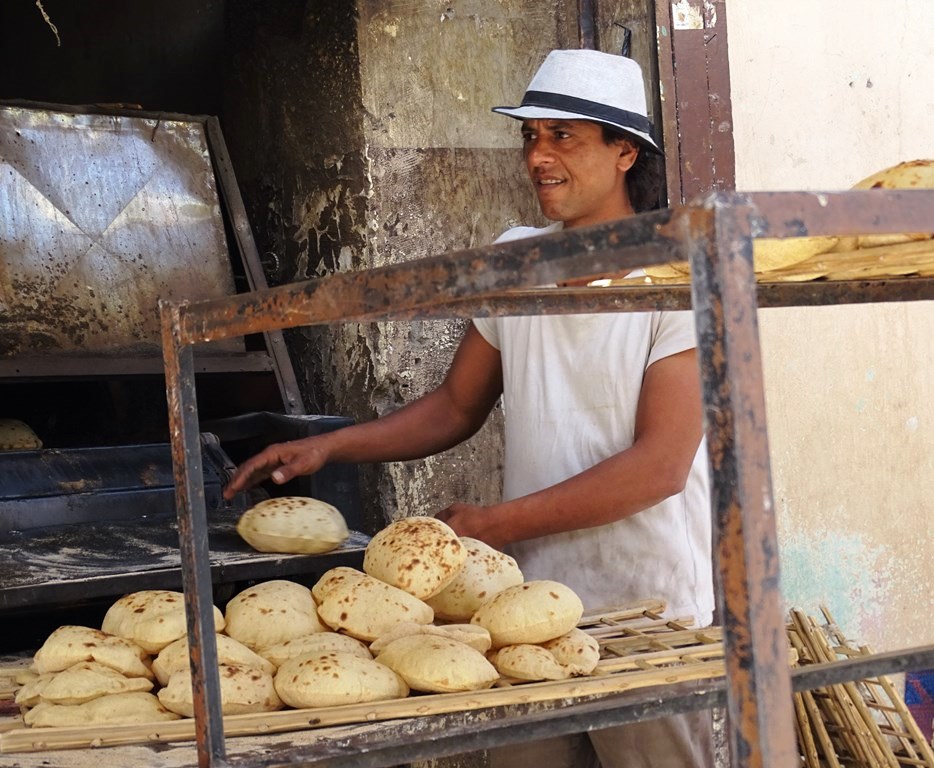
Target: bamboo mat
[
  {"x": 859, "y": 723},
  {"x": 639, "y": 648}
]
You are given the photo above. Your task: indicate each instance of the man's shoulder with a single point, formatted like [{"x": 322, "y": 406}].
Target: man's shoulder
[{"x": 520, "y": 233}]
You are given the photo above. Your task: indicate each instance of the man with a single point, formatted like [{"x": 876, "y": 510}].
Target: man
[{"x": 605, "y": 478}]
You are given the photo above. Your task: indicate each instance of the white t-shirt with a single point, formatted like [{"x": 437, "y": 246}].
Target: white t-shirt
[{"x": 571, "y": 387}]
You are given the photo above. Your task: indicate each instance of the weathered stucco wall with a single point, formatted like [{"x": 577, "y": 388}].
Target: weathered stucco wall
[{"x": 849, "y": 389}]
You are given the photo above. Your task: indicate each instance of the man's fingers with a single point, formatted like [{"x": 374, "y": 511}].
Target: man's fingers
[{"x": 253, "y": 471}]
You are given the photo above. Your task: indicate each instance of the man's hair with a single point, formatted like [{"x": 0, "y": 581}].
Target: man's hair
[{"x": 644, "y": 181}]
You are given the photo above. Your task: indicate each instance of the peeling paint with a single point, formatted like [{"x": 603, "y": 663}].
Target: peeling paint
[
  {"x": 686, "y": 16},
  {"x": 841, "y": 570},
  {"x": 710, "y": 13}
]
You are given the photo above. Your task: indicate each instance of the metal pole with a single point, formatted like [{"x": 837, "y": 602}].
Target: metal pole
[
  {"x": 193, "y": 539},
  {"x": 759, "y": 698}
]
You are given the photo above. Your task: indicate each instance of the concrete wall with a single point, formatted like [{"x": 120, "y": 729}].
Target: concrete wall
[{"x": 825, "y": 94}]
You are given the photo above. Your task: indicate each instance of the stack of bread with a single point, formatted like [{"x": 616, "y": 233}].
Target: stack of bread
[{"x": 429, "y": 612}]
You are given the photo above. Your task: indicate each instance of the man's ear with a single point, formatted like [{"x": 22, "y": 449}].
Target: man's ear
[{"x": 628, "y": 152}]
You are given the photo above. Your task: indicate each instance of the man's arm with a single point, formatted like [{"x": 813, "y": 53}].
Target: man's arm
[
  {"x": 435, "y": 422},
  {"x": 667, "y": 433}
]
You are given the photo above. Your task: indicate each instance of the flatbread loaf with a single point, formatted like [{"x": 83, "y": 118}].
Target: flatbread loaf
[
  {"x": 334, "y": 579},
  {"x": 486, "y": 571},
  {"x": 70, "y": 644},
  {"x": 112, "y": 709},
  {"x": 272, "y": 612},
  {"x": 366, "y": 608},
  {"x": 229, "y": 651},
  {"x": 319, "y": 642},
  {"x": 336, "y": 677},
  {"x": 293, "y": 525},
  {"x": 533, "y": 612},
  {"x": 576, "y": 650},
  {"x": 528, "y": 662},
  {"x": 421, "y": 555},
  {"x": 29, "y": 694},
  {"x": 243, "y": 690},
  {"x": 16, "y": 435},
  {"x": 88, "y": 680},
  {"x": 151, "y": 618},
  {"x": 470, "y": 634},
  {"x": 438, "y": 664}
]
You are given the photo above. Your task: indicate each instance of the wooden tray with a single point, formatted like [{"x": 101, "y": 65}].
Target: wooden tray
[{"x": 638, "y": 646}]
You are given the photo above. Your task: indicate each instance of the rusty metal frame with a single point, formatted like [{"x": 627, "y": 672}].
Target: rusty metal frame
[{"x": 716, "y": 234}]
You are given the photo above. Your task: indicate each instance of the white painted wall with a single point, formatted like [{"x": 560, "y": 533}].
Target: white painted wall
[{"x": 825, "y": 93}]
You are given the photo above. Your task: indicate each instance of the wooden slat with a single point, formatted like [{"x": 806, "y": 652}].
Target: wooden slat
[
  {"x": 642, "y": 649},
  {"x": 38, "y": 739},
  {"x": 861, "y": 722}
]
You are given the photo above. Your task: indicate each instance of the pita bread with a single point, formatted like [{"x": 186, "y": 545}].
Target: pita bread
[
  {"x": 469, "y": 634},
  {"x": 175, "y": 656},
  {"x": 88, "y": 680},
  {"x": 438, "y": 664},
  {"x": 152, "y": 618},
  {"x": 418, "y": 554},
  {"x": 70, "y": 644},
  {"x": 16, "y": 435},
  {"x": 243, "y": 690},
  {"x": 270, "y": 613},
  {"x": 366, "y": 608},
  {"x": 293, "y": 525},
  {"x": 486, "y": 571},
  {"x": 533, "y": 612},
  {"x": 319, "y": 642},
  {"x": 576, "y": 650},
  {"x": 112, "y": 709},
  {"x": 336, "y": 677},
  {"x": 29, "y": 694},
  {"x": 528, "y": 662},
  {"x": 334, "y": 579}
]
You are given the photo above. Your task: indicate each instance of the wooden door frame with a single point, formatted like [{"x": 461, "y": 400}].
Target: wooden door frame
[{"x": 696, "y": 107}]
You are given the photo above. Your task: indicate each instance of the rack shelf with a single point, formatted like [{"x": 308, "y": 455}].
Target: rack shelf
[{"x": 715, "y": 234}]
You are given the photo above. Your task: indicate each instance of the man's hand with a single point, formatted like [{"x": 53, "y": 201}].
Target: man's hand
[{"x": 281, "y": 462}]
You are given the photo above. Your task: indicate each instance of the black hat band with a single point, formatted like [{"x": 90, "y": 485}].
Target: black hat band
[{"x": 594, "y": 109}]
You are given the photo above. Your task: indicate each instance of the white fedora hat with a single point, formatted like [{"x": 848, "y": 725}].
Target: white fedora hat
[{"x": 588, "y": 85}]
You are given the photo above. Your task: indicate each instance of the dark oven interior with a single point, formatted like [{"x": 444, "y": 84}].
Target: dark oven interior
[{"x": 91, "y": 515}]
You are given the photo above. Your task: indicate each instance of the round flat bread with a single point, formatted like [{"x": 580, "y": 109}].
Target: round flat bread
[
  {"x": 270, "y": 613},
  {"x": 576, "y": 650},
  {"x": 528, "y": 662},
  {"x": 486, "y": 571},
  {"x": 366, "y": 608},
  {"x": 88, "y": 680},
  {"x": 152, "y": 618},
  {"x": 69, "y": 644},
  {"x": 438, "y": 664},
  {"x": 418, "y": 554},
  {"x": 175, "y": 656},
  {"x": 319, "y": 642},
  {"x": 470, "y": 634},
  {"x": 113, "y": 709},
  {"x": 29, "y": 694},
  {"x": 533, "y": 612},
  {"x": 293, "y": 525},
  {"x": 16, "y": 435},
  {"x": 334, "y": 579},
  {"x": 243, "y": 690},
  {"x": 336, "y": 677}
]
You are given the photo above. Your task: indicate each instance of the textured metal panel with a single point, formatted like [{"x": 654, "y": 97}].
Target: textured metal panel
[{"x": 101, "y": 216}]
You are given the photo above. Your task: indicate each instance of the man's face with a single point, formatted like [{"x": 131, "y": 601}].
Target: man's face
[{"x": 579, "y": 178}]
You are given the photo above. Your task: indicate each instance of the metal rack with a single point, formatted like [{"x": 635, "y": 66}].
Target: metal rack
[{"x": 715, "y": 233}]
